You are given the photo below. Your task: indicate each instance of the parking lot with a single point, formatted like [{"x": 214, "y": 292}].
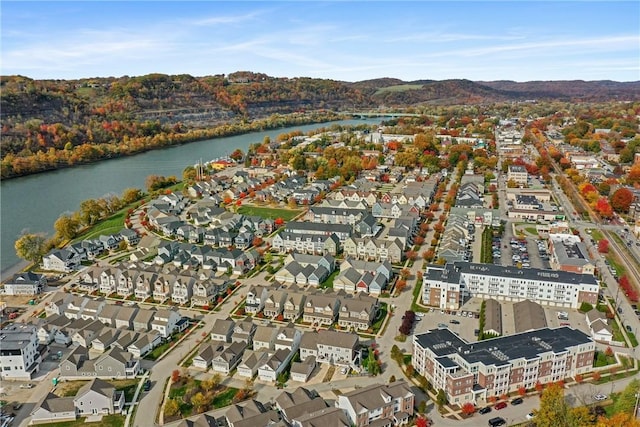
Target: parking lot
[{"x": 463, "y": 326}]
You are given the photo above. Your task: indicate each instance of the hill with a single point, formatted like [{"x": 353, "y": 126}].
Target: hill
[{"x": 54, "y": 123}]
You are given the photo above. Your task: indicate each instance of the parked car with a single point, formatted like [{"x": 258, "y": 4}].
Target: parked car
[
  {"x": 500, "y": 405},
  {"x": 442, "y": 325},
  {"x": 497, "y": 422},
  {"x": 629, "y": 329},
  {"x": 455, "y": 322},
  {"x": 599, "y": 397},
  {"x": 517, "y": 401},
  {"x": 530, "y": 415},
  {"x": 484, "y": 410},
  {"x": 27, "y": 386}
]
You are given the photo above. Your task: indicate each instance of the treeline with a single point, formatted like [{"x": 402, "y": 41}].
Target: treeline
[
  {"x": 50, "y": 147},
  {"x": 33, "y": 246}
]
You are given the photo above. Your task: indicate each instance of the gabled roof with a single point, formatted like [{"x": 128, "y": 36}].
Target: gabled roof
[{"x": 99, "y": 386}]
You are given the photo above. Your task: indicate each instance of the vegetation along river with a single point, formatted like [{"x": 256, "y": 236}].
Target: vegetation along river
[{"x": 34, "y": 202}]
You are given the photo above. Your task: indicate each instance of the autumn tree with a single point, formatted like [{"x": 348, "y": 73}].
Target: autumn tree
[
  {"x": 621, "y": 199},
  {"x": 67, "y": 226},
  {"x": 237, "y": 155},
  {"x": 468, "y": 408},
  {"x": 171, "y": 408},
  {"x": 401, "y": 284},
  {"x": 618, "y": 420},
  {"x": 175, "y": 376},
  {"x": 130, "y": 195},
  {"x": 199, "y": 401},
  {"x": 604, "y": 208},
  {"x": 421, "y": 422},
  {"x": 603, "y": 246},
  {"x": 31, "y": 246}
]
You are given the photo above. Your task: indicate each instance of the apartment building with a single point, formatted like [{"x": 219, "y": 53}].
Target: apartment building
[
  {"x": 518, "y": 174},
  {"x": 19, "y": 357},
  {"x": 449, "y": 286},
  {"x": 468, "y": 372}
]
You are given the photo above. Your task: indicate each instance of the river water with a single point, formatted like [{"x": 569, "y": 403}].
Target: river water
[{"x": 34, "y": 202}]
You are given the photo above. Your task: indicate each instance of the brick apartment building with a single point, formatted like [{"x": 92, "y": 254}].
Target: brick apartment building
[{"x": 469, "y": 372}]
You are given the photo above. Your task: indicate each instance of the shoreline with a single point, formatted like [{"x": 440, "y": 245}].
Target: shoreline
[{"x": 14, "y": 269}]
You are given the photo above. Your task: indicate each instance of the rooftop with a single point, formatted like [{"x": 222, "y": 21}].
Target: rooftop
[{"x": 498, "y": 351}]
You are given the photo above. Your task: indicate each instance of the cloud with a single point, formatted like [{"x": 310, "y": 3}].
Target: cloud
[{"x": 222, "y": 19}]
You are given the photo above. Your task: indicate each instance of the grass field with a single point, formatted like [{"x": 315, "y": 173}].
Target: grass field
[
  {"x": 270, "y": 213},
  {"x": 397, "y": 88}
]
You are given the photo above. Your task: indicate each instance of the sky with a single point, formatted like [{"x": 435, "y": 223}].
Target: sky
[{"x": 340, "y": 40}]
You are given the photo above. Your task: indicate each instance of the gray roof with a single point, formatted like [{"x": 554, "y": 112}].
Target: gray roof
[
  {"x": 53, "y": 404},
  {"x": 327, "y": 417},
  {"x": 99, "y": 386},
  {"x": 498, "y": 351},
  {"x": 329, "y": 337},
  {"x": 493, "y": 316},
  {"x": 374, "y": 396}
]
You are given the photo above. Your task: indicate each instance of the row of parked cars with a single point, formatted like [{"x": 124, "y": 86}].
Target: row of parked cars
[{"x": 520, "y": 252}]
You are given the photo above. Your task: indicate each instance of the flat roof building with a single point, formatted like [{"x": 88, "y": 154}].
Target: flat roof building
[
  {"x": 449, "y": 286},
  {"x": 473, "y": 372},
  {"x": 19, "y": 357}
]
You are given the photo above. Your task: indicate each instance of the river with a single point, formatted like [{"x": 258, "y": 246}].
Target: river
[{"x": 34, "y": 202}]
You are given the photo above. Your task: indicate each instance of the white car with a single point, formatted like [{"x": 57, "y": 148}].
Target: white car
[
  {"x": 530, "y": 415},
  {"x": 600, "y": 397}
]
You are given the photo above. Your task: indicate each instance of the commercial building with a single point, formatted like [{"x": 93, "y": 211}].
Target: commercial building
[
  {"x": 449, "y": 286},
  {"x": 568, "y": 253},
  {"x": 473, "y": 372}
]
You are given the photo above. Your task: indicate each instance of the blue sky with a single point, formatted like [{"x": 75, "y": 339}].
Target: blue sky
[{"x": 351, "y": 41}]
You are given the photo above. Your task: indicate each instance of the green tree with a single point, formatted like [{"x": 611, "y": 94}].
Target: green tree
[
  {"x": 67, "y": 226},
  {"x": 31, "y": 246},
  {"x": 627, "y": 399},
  {"x": 441, "y": 398}
]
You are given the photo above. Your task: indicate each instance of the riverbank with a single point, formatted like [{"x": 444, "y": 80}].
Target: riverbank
[
  {"x": 63, "y": 158},
  {"x": 14, "y": 269},
  {"x": 33, "y": 203}
]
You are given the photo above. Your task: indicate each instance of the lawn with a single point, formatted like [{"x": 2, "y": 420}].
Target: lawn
[
  {"x": 269, "y": 213},
  {"x": 107, "y": 421},
  {"x": 633, "y": 339},
  {"x": 70, "y": 388},
  {"x": 617, "y": 333},
  {"x": 382, "y": 314},
  {"x": 416, "y": 295},
  {"x": 597, "y": 235},
  {"x": 329, "y": 282},
  {"x": 111, "y": 225}
]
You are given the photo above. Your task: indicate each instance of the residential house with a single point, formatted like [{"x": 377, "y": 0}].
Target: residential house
[
  {"x": 301, "y": 371},
  {"x": 142, "y": 320},
  {"x": 256, "y": 298},
  {"x": 288, "y": 337},
  {"x": 108, "y": 314},
  {"x": 264, "y": 337},
  {"x": 243, "y": 332},
  {"x": 321, "y": 309},
  {"x": 357, "y": 312},
  {"x": 378, "y": 404},
  {"x": 92, "y": 309},
  {"x": 222, "y": 330},
  {"x": 61, "y": 260},
  {"x": 227, "y": 357},
  {"x": 248, "y": 368},
  {"x": 328, "y": 346},
  {"x": 165, "y": 321},
  {"x": 293, "y": 305},
  {"x": 125, "y": 317},
  {"x": 274, "y": 303},
  {"x": 87, "y": 334},
  {"x": 25, "y": 283},
  {"x": 144, "y": 343},
  {"x": 98, "y": 397},
  {"x": 277, "y": 362},
  {"x": 52, "y": 408}
]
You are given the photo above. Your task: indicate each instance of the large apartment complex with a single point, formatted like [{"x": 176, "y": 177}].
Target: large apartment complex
[
  {"x": 471, "y": 371},
  {"x": 449, "y": 286}
]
